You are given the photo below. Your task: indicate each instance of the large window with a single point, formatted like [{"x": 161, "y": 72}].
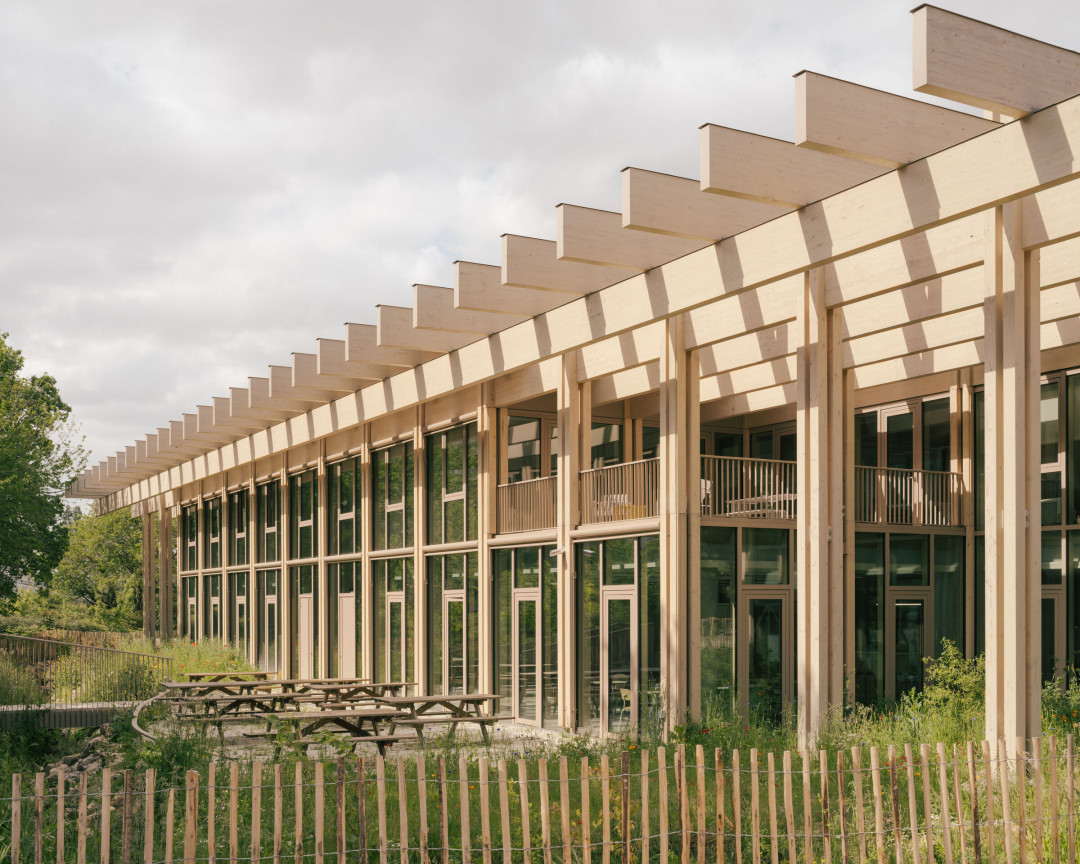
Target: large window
[
  {"x": 526, "y": 639},
  {"x": 343, "y": 498},
  {"x": 392, "y": 521},
  {"x": 618, "y": 639},
  {"x": 268, "y": 616},
  {"x": 606, "y": 444},
  {"x": 212, "y": 533},
  {"x": 238, "y": 528},
  {"x": 212, "y": 605},
  {"x": 268, "y": 517},
  {"x": 452, "y": 469},
  {"x": 531, "y": 448},
  {"x": 344, "y": 619},
  {"x": 304, "y": 620},
  {"x": 394, "y": 616},
  {"x": 909, "y": 597},
  {"x": 717, "y": 598},
  {"x": 303, "y": 515},
  {"x": 189, "y": 538},
  {"x": 453, "y": 614}
]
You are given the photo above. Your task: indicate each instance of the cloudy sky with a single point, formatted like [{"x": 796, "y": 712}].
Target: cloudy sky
[{"x": 192, "y": 190}]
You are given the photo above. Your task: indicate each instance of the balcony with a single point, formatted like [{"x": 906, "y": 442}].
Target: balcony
[
  {"x": 898, "y": 496},
  {"x": 619, "y": 492},
  {"x": 526, "y": 506},
  {"x": 748, "y": 488}
]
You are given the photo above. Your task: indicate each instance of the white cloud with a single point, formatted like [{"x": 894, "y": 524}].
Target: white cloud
[{"x": 194, "y": 190}]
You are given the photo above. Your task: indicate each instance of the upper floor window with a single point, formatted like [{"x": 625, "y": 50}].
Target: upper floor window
[
  {"x": 343, "y": 500},
  {"x": 303, "y": 505},
  {"x": 212, "y": 532},
  {"x": 606, "y": 445},
  {"x": 392, "y": 492},
  {"x": 189, "y": 538},
  {"x": 267, "y": 518},
  {"x": 238, "y": 528},
  {"x": 453, "y": 466},
  {"x": 531, "y": 448},
  {"x": 908, "y": 436}
]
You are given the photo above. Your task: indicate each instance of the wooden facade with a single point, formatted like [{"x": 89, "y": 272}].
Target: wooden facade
[{"x": 762, "y": 437}]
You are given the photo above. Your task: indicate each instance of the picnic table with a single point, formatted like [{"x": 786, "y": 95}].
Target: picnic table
[
  {"x": 226, "y": 676},
  {"x": 341, "y": 691},
  {"x": 452, "y": 709}
]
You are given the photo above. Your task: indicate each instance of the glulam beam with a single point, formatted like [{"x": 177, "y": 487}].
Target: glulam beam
[
  {"x": 773, "y": 171},
  {"x": 332, "y": 359},
  {"x": 307, "y": 380},
  {"x": 598, "y": 237},
  {"x": 433, "y": 308},
  {"x": 262, "y": 397},
  {"x": 204, "y": 435},
  {"x": 479, "y": 287},
  {"x": 395, "y": 325},
  {"x": 765, "y": 344},
  {"x": 528, "y": 262},
  {"x": 242, "y": 405},
  {"x": 222, "y": 418},
  {"x": 362, "y": 346},
  {"x": 873, "y": 126},
  {"x": 942, "y": 296},
  {"x": 779, "y": 370},
  {"x": 977, "y": 64},
  {"x": 665, "y": 204}
]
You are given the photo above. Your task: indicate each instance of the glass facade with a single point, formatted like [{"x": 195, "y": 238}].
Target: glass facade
[
  {"x": 453, "y": 635},
  {"x": 392, "y": 494},
  {"x": 452, "y": 472},
  {"x": 394, "y": 617}
]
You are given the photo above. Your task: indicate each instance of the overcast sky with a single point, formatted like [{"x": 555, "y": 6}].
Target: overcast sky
[{"x": 190, "y": 191}]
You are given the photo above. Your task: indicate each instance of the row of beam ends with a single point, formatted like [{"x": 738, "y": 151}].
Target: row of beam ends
[{"x": 845, "y": 134}]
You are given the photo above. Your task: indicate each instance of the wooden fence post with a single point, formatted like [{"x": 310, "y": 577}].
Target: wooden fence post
[
  {"x": 211, "y": 799},
  {"x": 125, "y": 846},
  {"x": 625, "y": 825},
  {"x": 191, "y": 816},
  {"x": 661, "y": 763},
  {"x": 61, "y": 791},
  {"x": 16, "y": 816},
  {"x": 106, "y": 815},
  {"x": 298, "y": 813},
  {"x": 256, "y": 811},
  {"x": 339, "y": 827},
  {"x": 320, "y": 811},
  {"x": 279, "y": 794},
  {"x": 403, "y": 810}
]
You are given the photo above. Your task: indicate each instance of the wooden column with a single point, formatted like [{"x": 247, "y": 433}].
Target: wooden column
[
  {"x": 148, "y": 603},
  {"x": 321, "y": 577},
  {"x": 285, "y": 588},
  {"x": 678, "y": 448},
  {"x": 365, "y": 613},
  {"x": 569, "y": 418},
  {"x": 1013, "y": 496},
  {"x": 849, "y": 534},
  {"x": 819, "y": 603},
  {"x": 487, "y": 427},
  {"x": 965, "y": 437},
  {"x": 420, "y": 611},
  {"x": 165, "y": 574}
]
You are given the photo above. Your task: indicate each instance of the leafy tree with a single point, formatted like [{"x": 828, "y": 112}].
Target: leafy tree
[
  {"x": 102, "y": 570},
  {"x": 39, "y": 457}
]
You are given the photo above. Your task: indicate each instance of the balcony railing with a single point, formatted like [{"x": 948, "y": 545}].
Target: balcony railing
[
  {"x": 755, "y": 488},
  {"x": 898, "y": 496},
  {"x": 618, "y": 492},
  {"x": 526, "y": 506}
]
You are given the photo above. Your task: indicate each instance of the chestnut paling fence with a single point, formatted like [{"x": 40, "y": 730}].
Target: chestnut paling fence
[{"x": 920, "y": 804}]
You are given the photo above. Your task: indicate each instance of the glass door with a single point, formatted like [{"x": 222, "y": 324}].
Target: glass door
[
  {"x": 240, "y": 621},
  {"x": 395, "y": 637},
  {"x": 526, "y": 656},
  {"x": 342, "y": 579},
  {"x": 618, "y": 660},
  {"x": 766, "y": 666},
  {"x": 267, "y": 645},
  {"x": 454, "y": 634},
  {"x": 907, "y": 630},
  {"x": 1053, "y": 633}
]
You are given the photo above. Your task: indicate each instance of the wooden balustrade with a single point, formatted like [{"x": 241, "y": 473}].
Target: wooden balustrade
[
  {"x": 528, "y": 505},
  {"x": 899, "y": 496},
  {"x": 618, "y": 492},
  {"x": 758, "y": 488}
]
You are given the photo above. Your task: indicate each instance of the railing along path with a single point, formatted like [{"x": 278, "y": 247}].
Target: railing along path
[
  {"x": 63, "y": 685},
  {"x": 959, "y": 804}
]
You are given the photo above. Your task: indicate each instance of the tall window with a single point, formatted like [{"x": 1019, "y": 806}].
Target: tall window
[
  {"x": 718, "y": 577},
  {"x": 303, "y": 509},
  {"x": 606, "y": 444},
  {"x": 343, "y": 498},
  {"x": 453, "y": 624},
  {"x": 268, "y": 517},
  {"x": 525, "y": 650},
  {"x": 392, "y": 521},
  {"x": 394, "y": 616},
  {"x": 453, "y": 466},
  {"x": 238, "y": 528},
  {"x": 189, "y": 537},
  {"x": 212, "y": 532},
  {"x": 531, "y": 448}
]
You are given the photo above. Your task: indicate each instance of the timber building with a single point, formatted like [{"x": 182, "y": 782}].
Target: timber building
[{"x": 764, "y": 438}]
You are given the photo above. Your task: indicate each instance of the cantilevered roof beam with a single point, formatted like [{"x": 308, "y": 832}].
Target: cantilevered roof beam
[
  {"x": 332, "y": 359},
  {"x": 529, "y": 262},
  {"x": 598, "y": 237},
  {"x": 396, "y": 329},
  {"x": 224, "y": 419},
  {"x": 479, "y": 287},
  {"x": 880, "y": 128},
  {"x": 205, "y": 434},
  {"x": 261, "y": 396},
  {"x": 987, "y": 67},
  {"x": 665, "y": 204},
  {"x": 433, "y": 308},
  {"x": 362, "y": 346},
  {"x": 777, "y": 172},
  {"x": 242, "y": 405}
]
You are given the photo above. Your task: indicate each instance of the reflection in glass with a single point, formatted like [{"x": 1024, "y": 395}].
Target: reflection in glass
[
  {"x": 765, "y": 556},
  {"x": 909, "y": 559},
  {"x": 717, "y": 599},
  {"x": 766, "y": 657},
  {"x": 395, "y": 615},
  {"x": 1049, "y": 412},
  {"x": 588, "y": 636},
  {"x": 455, "y": 646},
  {"x": 948, "y": 591},
  {"x": 522, "y": 449},
  {"x": 527, "y": 703},
  {"x": 1052, "y": 565},
  {"x": 1049, "y": 640},
  {"x": 900, "y": 441},
  {"x": 619, "y": 666},
  {"x": 935, "y": 435},
  {"x": 910, "y": 638},
  {"x": 869, "y": 618}
]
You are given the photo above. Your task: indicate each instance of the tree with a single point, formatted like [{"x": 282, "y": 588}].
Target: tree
[
  {"x": 102, "y": 570},
  {"x": 39, "y": 458}
]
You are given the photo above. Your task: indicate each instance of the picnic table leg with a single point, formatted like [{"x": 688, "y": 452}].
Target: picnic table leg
[{"x": 484, "y": 732}]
